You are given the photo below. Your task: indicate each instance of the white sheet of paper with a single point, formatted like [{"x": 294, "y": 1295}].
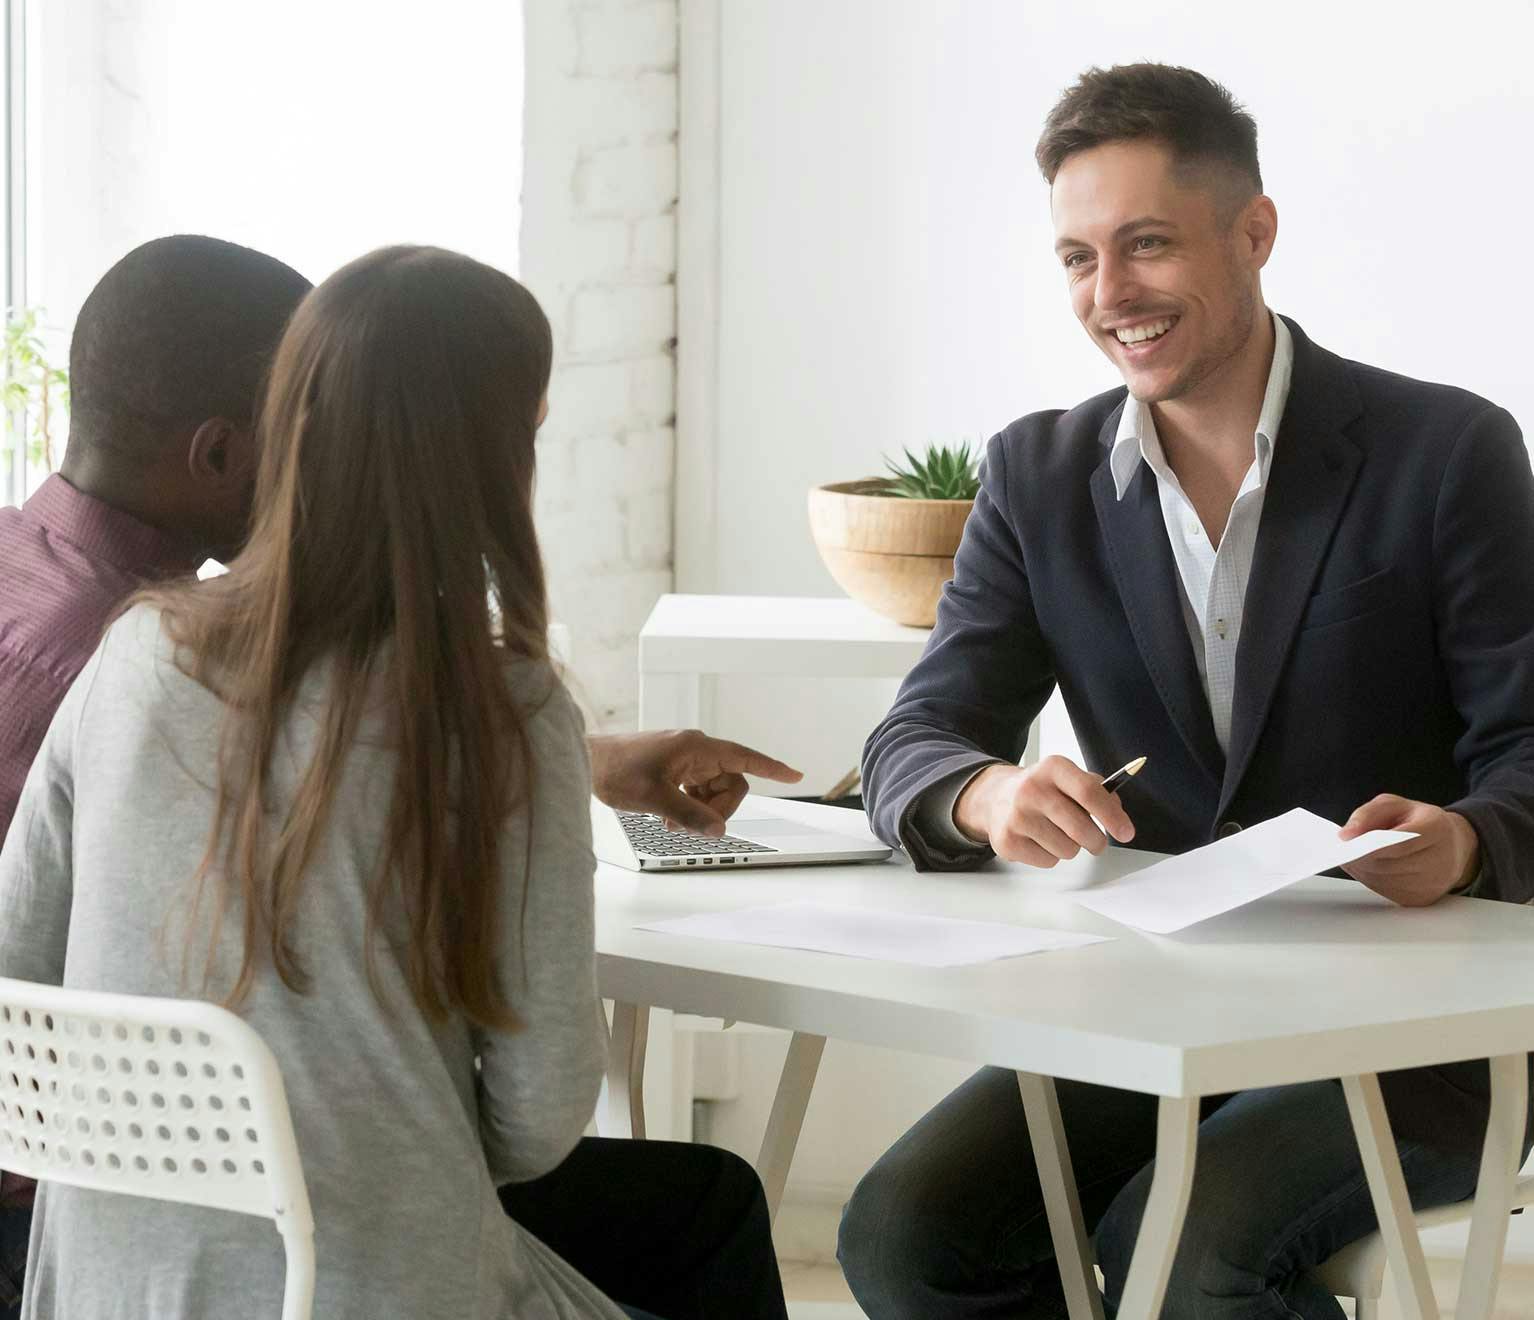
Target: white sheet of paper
[
  {"x": 857, "y": 932},
  {"x": 1172, "y": 895}
]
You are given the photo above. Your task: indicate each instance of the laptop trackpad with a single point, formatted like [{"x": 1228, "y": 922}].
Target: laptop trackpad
[{"x": 774, "y": 827}]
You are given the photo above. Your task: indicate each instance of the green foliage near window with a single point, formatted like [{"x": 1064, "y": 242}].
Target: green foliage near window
[
  {"x": 34, "y": 392},
  {"x": 946, "y": 472}
]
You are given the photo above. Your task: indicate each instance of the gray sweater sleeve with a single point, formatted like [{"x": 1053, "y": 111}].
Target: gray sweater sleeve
[
  {"x": 538, "y": 1085},
  {"x": 36, "y": 862}
]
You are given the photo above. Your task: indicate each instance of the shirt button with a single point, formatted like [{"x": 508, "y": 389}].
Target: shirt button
[
  {"x": 1194, "y": 531},
  {"x": 1228, "y": 828}
]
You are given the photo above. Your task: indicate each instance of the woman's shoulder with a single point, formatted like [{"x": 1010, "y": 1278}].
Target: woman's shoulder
[
  {"x": 141, "y": 640},
  {"x": 140, "y": 627},
  {"x": 131, "y": 644},
  {"x": 543, "y": 698}
]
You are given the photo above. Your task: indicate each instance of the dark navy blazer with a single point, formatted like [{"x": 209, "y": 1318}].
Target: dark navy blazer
[{"x": 1387, "y": 640}]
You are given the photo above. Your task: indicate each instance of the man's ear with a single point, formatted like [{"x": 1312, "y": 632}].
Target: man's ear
[
  {"x": 1259, "y": 225},
  {"x": 218, "y": 455}
]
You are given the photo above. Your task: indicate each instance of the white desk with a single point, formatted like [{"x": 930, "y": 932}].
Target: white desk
[
  {"x": 688, "y": 640},
  {"x": 1322, "y": 980}
]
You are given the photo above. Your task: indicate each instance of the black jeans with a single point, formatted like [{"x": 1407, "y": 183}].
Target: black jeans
[
  {"x": 950, "y": 1223},
  {"x": 15, "y": 1228},
  {"x": 677, "y": 1230}
]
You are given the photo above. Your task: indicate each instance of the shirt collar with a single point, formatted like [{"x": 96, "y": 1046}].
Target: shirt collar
[
  {"x": 105, "y": 533},
  {"x": 1136, "y": 440}
]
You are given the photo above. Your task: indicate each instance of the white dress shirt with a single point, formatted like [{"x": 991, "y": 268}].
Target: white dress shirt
[{"x": 1213, "y": 580}]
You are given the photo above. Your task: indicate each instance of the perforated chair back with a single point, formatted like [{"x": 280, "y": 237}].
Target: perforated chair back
[{"x": 166, "y": 1098}]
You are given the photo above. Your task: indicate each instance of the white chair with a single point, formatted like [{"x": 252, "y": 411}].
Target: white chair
[
  {"x": 165, "y": 1098},
  {"x": 1358, "y": 1270}
]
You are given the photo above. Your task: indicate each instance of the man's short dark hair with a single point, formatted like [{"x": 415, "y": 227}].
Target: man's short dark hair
[
  {"x": 1200, "y": 122},
  {"x": 180, "y": 330}
]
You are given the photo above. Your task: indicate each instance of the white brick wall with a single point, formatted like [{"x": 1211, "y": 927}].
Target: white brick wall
[{"x": 598, "y": 248}]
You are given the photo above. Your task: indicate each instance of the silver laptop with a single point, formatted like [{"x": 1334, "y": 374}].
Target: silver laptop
[{"x": 757, "y": 838}]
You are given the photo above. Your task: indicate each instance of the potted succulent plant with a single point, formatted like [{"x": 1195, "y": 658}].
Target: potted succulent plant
[{"x": 890, "y": 541}]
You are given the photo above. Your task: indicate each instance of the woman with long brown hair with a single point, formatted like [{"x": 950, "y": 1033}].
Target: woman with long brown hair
[{"x": 342, "y": 789}]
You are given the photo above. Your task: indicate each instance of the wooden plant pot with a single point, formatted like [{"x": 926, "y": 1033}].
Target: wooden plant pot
[{"x": 892, "y": 555}]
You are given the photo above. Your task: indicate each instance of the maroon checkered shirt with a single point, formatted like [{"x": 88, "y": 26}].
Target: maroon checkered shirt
[{"x": 67, "y": 561}]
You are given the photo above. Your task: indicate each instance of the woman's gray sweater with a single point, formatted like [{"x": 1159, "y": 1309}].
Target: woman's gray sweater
[{"x": 403, "y": 1136}]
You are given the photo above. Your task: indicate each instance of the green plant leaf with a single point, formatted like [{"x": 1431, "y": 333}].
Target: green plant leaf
[
  {"x": 944, "y": 472},
  {"x": 34, "y": 393}
]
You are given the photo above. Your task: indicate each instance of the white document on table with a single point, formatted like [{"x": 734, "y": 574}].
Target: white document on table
[
  {"x": 1172, "y": 895},
  {"x": 858, "y": 932}
]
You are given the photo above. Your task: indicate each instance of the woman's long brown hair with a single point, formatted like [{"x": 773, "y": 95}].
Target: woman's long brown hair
[{"x": 393, "y": 544}]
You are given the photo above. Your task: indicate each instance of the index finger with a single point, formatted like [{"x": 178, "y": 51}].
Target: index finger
[
  {"x": 1087, "y": 789},
  {"x": 734, "y": 758}
]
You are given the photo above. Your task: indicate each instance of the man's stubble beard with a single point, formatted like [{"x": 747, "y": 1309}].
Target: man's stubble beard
[{"x": 1237, "y": 334}]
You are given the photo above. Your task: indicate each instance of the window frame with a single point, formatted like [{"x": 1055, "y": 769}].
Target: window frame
[{"x": 13, "y": 228}]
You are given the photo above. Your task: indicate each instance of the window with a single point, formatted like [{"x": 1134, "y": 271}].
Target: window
[
  {"x": 312, "y": 132},
  {"x": 13, "y": 247}
]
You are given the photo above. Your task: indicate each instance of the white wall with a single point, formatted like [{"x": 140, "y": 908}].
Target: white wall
[
  {"x": 318, "y": 131},
  {"x": 312, "y": 131},
  {"x": 599, "y": 250},
  {"x": 885, "y": 278}
]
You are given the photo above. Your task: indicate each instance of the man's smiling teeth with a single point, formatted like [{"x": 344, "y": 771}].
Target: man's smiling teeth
[{"x": 1151, "y": 330}]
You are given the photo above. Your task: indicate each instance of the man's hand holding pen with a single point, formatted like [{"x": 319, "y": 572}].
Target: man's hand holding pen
[{"x": 1043, "y": 814}]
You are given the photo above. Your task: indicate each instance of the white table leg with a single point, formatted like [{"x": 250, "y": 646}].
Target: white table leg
[
  {"x": 787, "y": 1117},
  {"x": 1165, "y": 1209},
  {"x": 1494, "y": 1189},
  {"x": 1052, "y": 1158},
  {"x": 1392, "y": 1206},
  {"x": 623, "y": 1090}
]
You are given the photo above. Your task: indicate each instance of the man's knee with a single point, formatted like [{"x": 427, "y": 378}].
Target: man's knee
[
  {"x": 1217, "y": 1263},
  {"x": 871, "y": 1220},
  {"x": 894, "y": 1241}
]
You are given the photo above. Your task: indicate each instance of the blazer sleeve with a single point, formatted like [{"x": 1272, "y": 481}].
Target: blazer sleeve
[
  {"x": 1483, "y": 557},
  {"x": 537, "y": 1085},
  {"x": 982, "y": 680}
]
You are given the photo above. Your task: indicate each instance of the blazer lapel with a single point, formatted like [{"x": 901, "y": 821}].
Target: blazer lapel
[
  {"x": 1314, "y": 466},
  {"x": 1134, "y": 531}
]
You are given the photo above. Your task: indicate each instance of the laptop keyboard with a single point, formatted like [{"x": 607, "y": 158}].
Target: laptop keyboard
[{"x": 649, "y": 835}]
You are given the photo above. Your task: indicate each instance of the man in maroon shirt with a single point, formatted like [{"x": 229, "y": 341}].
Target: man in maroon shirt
[{"x": 166, "y": 363}]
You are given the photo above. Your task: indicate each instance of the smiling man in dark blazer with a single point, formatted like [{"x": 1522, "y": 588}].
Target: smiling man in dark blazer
[{"x": 1287, "y": 579}]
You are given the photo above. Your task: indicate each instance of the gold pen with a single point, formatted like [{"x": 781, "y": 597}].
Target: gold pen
[{"x": 1115, "y": 781}]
